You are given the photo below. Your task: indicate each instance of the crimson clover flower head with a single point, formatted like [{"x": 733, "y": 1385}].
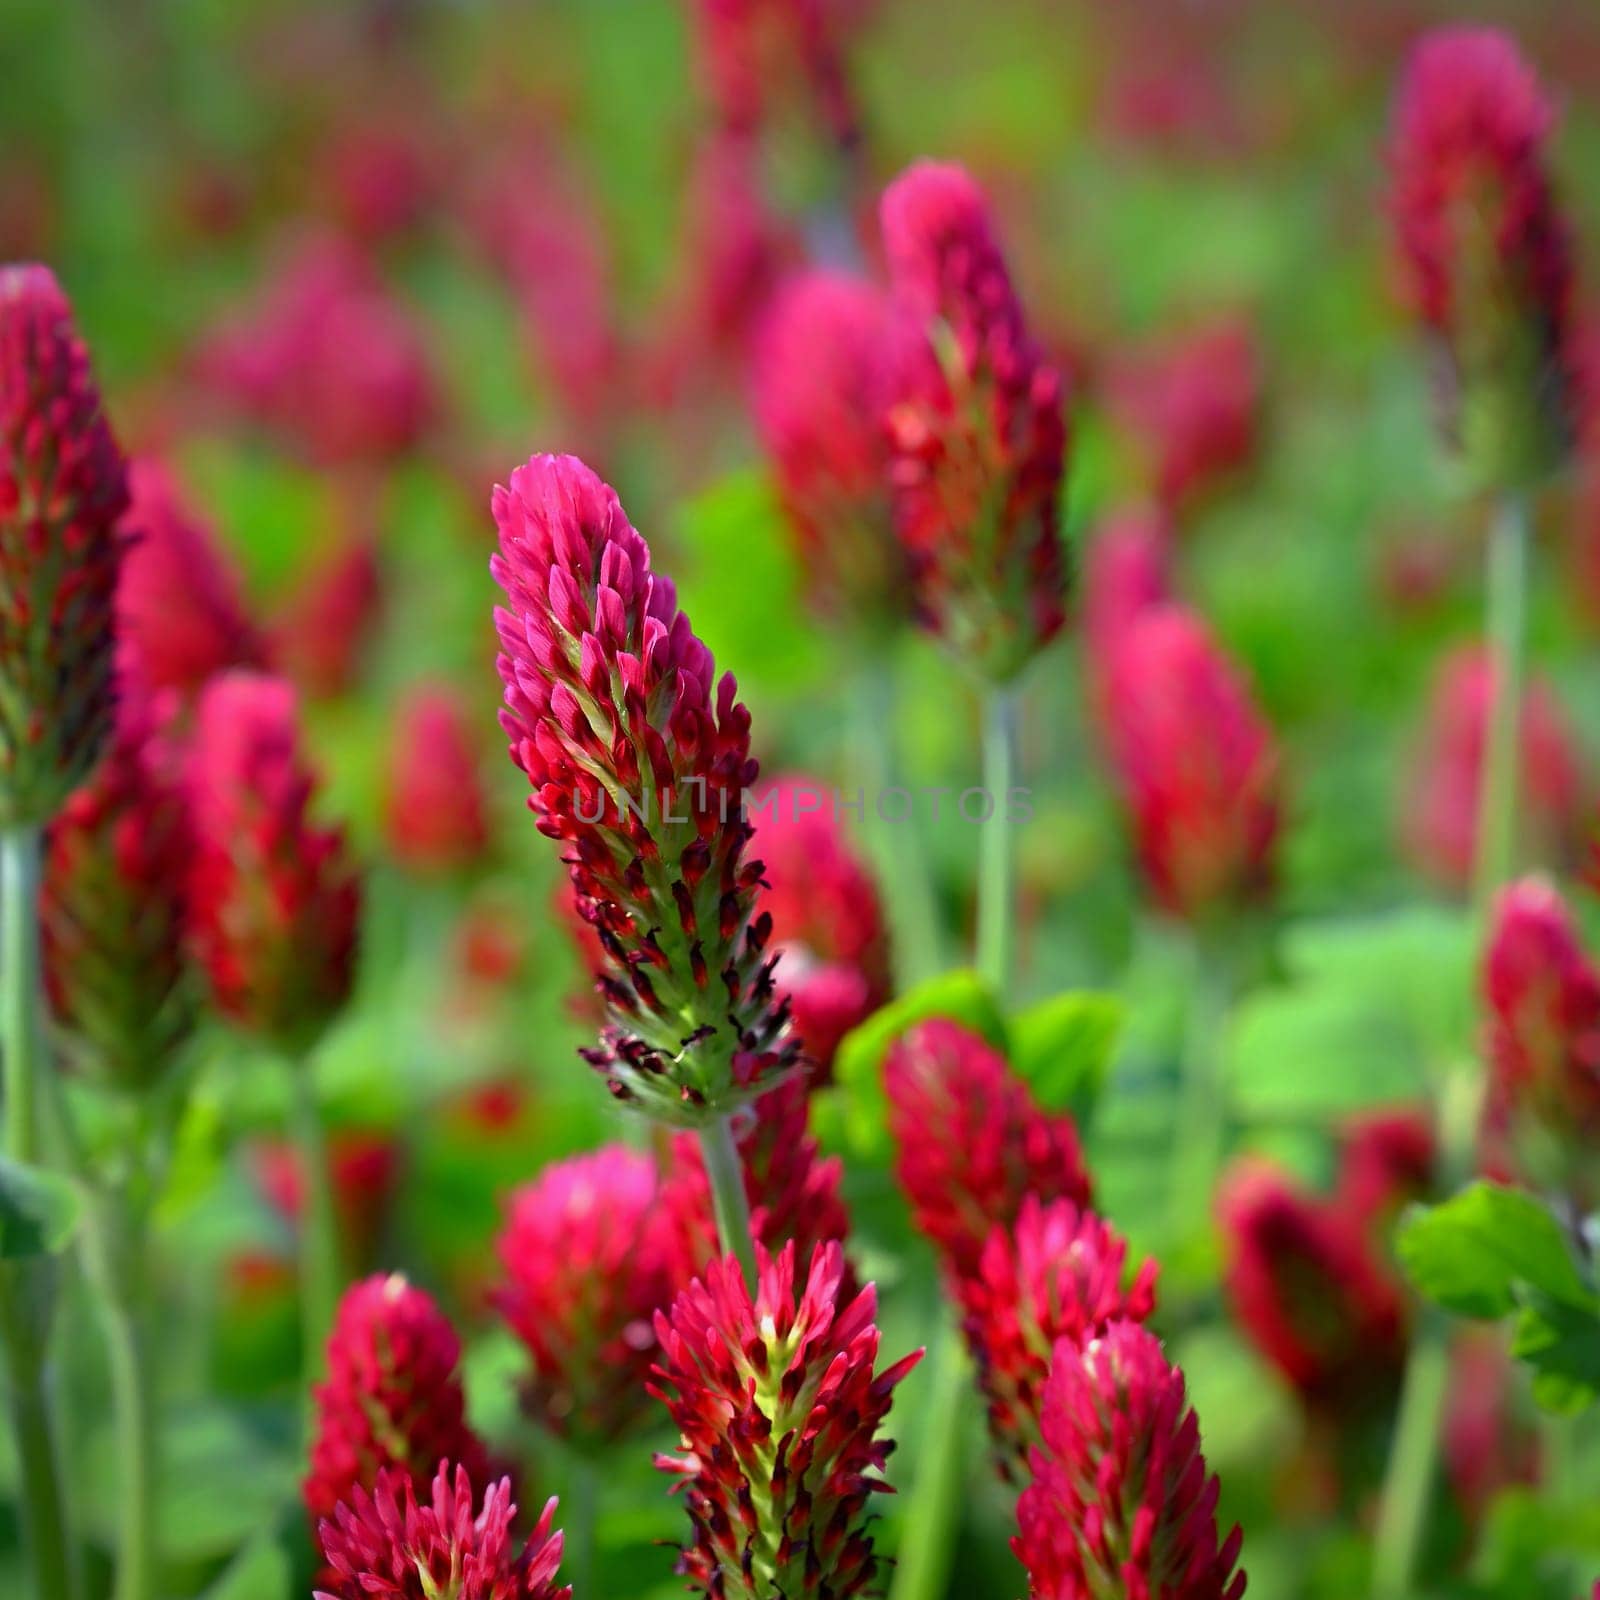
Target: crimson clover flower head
[
  {"x": 274, "y": 902},
  {"x": 180, "y": 607},
  {"x": 63, "y": 489},
  {"x": 972, "y": 1142},
  {"x": 114, "y": 905},
  {"x": 1121, "y": 1504},
  {"x": 392, "y": 1401},
  {"x": 978, "y": 440},
  {"x": 1059, "y": 1273},
  {"x": 821, "y": 378},
  {"x": 778, "y": 1411},
  {"x": 389, "y": 1545},
  {"x": 588, "y": 1256},
  {"x": 1387, "y": 1160},
  {"x": 1196, "y": 764},
  {"x": 1126, "y": 572},
  {"x": 1484, "y": 249},
  {"x": 437, "y": 812},
  {"x": 638, "y": 761}
]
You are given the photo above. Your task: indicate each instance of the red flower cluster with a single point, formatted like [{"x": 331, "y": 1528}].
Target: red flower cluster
[
  {"x": 821, "y": 383},
  {"x": 640, "y": 774},
  {"x": 387, "y": 1545},
  {"x": 326, "y": 625},
  {"x": 589, "y": 1256},
  {"x": 114, "y": 905},
  {"x": 778, "y": 1410},
  {"x": 1057, "y": 1275},
  {"x": 62, "y": 489},
  {"x": 972, "y": 1143},
  {"x": 392, "y": 1402},
  {"x": 976, "y": 428},
  {"x": 1440, "y": 817},
  {"x": 1196, "y": 764},
  {"x": 437, "y": 813},
  {"x": 274, "y": 902},
  {"x": 1120, "y": 1503},
  {"x": 180, "y": 608},
  {"x": 1483, "y": 246}
]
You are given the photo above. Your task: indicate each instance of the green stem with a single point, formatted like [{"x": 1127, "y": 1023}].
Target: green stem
[
  {"x": 725, "y": 1172},
  {"x": 997, "y": 860},
  {"x": 44, "y": 1523},
  {"x": 19, "y": 989},
  {"x": 127, "y": 1347},
  {"x": 933, "y": 1514},
  {"x": 578, "y": 1512},
  {"x": 1201, "y": 1135},
  {"x": 1408, "y": 1486},
  {"x": 1499, "y": 785},
  {"x": 320, "y": 1272}
]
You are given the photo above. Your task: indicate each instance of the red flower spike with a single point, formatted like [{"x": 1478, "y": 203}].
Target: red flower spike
[
  {"x": 1196, "y": 764},
  {"x": 1386, "y": 1162},
  {"x": 274, "y": 903},
  {"x": 180, "y": 605},
  {"x": 114, "y": 906},
  {"x": 778, "y": 1410},
  {"x": 588, "y": 1256},
  {"x": 62, "y": 489},
  {"x": 977, "y": 434},
  {"x": 821, "y": 381},
  {"x": 387, "y": 1545},
  {"x": 1126, "y": 573},
  {"x": 1484, "y": 250},
  {"x": 972, "y": 1143},
  {"x": 392, "y": 1402},
  {"x": 437, "y": 812},
  {"x": 1440, "y": 818},
  {"x": 1311, "y": 1291},
  {"x": 1058, "y": 1274},
  {"x": 1488, "y": 1447},
  {"x": 638, "y": 765},
  {"x": 326, "y": 626},
  {"x": 1121, "y": 1504}
]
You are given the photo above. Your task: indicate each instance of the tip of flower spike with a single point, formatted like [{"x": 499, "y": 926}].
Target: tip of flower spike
[{"x": 929, "y": 206}]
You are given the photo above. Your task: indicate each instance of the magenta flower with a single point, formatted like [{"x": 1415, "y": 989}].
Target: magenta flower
[
  {"x": 327, "y": 623},
  {"x": 1121, "y": 1503},
  {"x": 976, "y": 428},
  {"x": 437, "y": 811},
  {"x": 1126, "y": 572},
  {"x": 638, "y": 765}
]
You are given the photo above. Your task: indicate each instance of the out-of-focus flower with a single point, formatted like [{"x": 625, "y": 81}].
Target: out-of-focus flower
[
  {"x": 1193, "y": 404},
  {"x": 114, "y": 906},
  {"x": 778, "y": 1409},
  {"x": 274, "y": 902},
  {"x": 328, "y": 360},
  {"x": 1310, "y": 1291},
  {"x": 639, "y": 772},
  {"x": 1057, "y": 1274},
  {"x": 180, "y": 606},
  {"x": 1440, "y": 816},
  {"x": 381, "y": 176},
  {"x": 827, "y": 921},
  {"x": 436, "y": 811},
  {"x": 1196, "y": 765},
  {"x": 977, "y": 433},
  {"x": 1386, "y": 1161},
  {"x": 1542, "y": 993},
  {"x": 972, "y": 1142},
  {"x": 62, "y": 489},
  {"x": 364, "y": 1166},
  {"x": 392, "y": 1399},
  {"x": 386, "y": 1546},
  {"x": 1121, "y": 1502},
  {"x": 1483, "y": 247},
  {"x": 1126, "y": 572},
  {"x": 1487, "y": 1446},
  {"x": 587, "y": 1255},
  {"x": 821, "y": 380},
  {"x": 325, "y": 626}
]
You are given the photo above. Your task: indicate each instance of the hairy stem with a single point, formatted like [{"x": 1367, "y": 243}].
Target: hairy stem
[
  {"x": 19, "y": 989},
  {"x": 725, "y": 1172},
  {"x": 933, "y": 1515},
  {"x": 997, "y": 862}
]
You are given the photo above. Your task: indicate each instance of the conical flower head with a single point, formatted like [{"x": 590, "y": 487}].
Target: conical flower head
[
  {"x": 972, "y": 1142},
  {"x": 1196, "y": 764},
  {"x": 821, "y": 381},
  {"x": 389, "y": 1545},
  {"x": 437, "y": 812},
  {"x": 1484, "y": 249},
  {"x": 114, "y": 906},
  {"x": 392, "y": 1402},
  {"x": 1126, "y": 573},
  {"x": 977, "y": 434},
  {"x": 638, "y": 762},
  {"x": 778, "y": 1409},
  {"x": 1058, "y": 1274},
  {"x": 273, "y": 900},
  {"x": 62, "y": 490},
  {"x": 588, "y": 1255},
  {"x": 1121, "y": 1506}
]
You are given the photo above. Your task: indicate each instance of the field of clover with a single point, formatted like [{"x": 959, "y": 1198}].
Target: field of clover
[{"x": 799, "y": 799}]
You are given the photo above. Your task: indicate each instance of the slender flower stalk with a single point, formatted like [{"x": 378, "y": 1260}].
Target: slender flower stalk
[
  {"x": 997, "y": 863},
  {"x": 728, "y": 1201},
  {"x": 1507, "y": 606}
]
